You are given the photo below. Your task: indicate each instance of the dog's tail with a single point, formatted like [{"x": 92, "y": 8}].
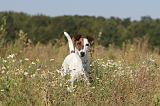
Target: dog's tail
[{"x": 70, "y": 42}]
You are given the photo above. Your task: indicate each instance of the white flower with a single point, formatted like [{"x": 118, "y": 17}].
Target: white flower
[
  {"x": 25, "y": 73},
  {"x": 38, "y": 69},
  {"x": 2, "y": 90},
  {"x": 3, "y": 68},
  {"x": 37, "y": 60},
  {"x": 60, "y": 84},
  {"x": 11, "y": 56},
  {"x": 13, "y": 61},
  {"x": 93, "y": 87},
  {"x": 51, "y": 59},
  {"x": 2, "y": 72},
  {"x": 33, "y": 75},
  {"x": 20, "y": 61},
  {"x": 26, "y": 59},
  {"x": 33, "y": 63},
  {"x": 97, "y": 78},
  {"x": 4, "y": 61}
]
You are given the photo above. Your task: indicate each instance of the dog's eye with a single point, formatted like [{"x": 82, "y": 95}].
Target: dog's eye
[{"x": 87, "y": 44}]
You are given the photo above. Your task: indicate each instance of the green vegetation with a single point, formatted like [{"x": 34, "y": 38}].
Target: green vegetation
[
  {"x": 111, "y": 30},
  {"x": 126, "y": 73}
]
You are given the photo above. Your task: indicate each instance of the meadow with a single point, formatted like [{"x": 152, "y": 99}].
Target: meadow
[{"x": 129, "y": 76}]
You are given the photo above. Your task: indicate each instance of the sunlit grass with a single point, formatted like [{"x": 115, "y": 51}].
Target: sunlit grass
[{"x": 28, "y": 76}]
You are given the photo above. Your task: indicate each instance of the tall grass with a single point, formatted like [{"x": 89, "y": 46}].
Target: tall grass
[{"x": 127, "y": 76}]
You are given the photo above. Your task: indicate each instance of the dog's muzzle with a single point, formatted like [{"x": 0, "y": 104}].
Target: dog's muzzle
[{"x": 82, "y": 54}]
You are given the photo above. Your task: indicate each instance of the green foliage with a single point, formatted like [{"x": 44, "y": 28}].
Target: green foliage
[
  {"x": 3, "y": 31},
  {"x": 157, "y": 100},
  {"x": 106, "y": 31}
]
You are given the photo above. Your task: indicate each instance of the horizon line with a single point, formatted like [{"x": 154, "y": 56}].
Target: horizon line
[{"x": 43, "y": 14}]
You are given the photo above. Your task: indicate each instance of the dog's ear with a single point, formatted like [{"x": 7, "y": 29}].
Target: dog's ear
[
  {"x": 77, "y": 37},
  {"x": 90, "y": 40}
]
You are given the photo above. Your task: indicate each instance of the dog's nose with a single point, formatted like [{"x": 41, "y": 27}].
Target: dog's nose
[{"x": 82, "y": 54}]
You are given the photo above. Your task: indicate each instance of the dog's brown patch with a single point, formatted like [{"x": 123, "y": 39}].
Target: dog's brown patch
[{"x": 78, "y": 41}]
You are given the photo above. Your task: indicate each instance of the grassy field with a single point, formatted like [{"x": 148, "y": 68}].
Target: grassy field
[{"x": 121, "y": 77}]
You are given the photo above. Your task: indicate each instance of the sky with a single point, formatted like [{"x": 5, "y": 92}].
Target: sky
[{"x": 133, "y": 9}]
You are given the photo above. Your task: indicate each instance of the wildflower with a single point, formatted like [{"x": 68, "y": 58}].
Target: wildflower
[
  {"x": 33, "y": 75},
  {"x": 51, "y": 59},
  {"x": 33, "y": 63},
  {"x": 20, "y": 61},
  {"x": 2, "y": 90},
  {"x": 25, "y": 73},
  {"x": 3, "y": 68},
  {"x": 2, "y": 72},
  {"x": 151, "y": 59},
  {"x": 115, "y": 70},
  {"x": 37, "y": 60},
  {"x": 26, "y": 59},
  {"x": 38, "y": 69},
  {"x": 60, "y": 84},
  {"x": 4, "y": 61},
  {"x": 114, "y": 76},
  {"x": 93, "y": 87},
  {"x": 1, "y": 28},
  {"x": 97, "y": 78},
  {"x": 11, "y": 56},
  {"x": 120, "y": 68},
  {"x": 13, "y": 61},
  {"x": 15, "y": 84}
]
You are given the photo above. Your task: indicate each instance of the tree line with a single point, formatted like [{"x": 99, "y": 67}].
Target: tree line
[{"x": 105, "y": 31}]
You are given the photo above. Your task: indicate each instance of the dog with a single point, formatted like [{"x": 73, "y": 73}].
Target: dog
[
  {"x": 83, "y": 47},
  {"x": 76, "y": 64}
]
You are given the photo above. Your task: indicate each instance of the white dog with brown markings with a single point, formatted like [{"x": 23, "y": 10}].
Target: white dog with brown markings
[{"x": 77, "y": 63}]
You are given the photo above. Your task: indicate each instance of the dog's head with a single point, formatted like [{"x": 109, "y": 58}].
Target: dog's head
[{"x": 83, "y": 44}]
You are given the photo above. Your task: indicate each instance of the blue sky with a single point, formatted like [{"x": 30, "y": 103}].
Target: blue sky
[{"x": 106, "y": 8}]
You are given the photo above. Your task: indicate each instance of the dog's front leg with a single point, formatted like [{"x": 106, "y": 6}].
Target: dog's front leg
[{"x": 71, "y": 81}]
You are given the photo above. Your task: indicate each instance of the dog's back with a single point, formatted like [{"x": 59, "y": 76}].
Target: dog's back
[{"x": 72, "y": 63}]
